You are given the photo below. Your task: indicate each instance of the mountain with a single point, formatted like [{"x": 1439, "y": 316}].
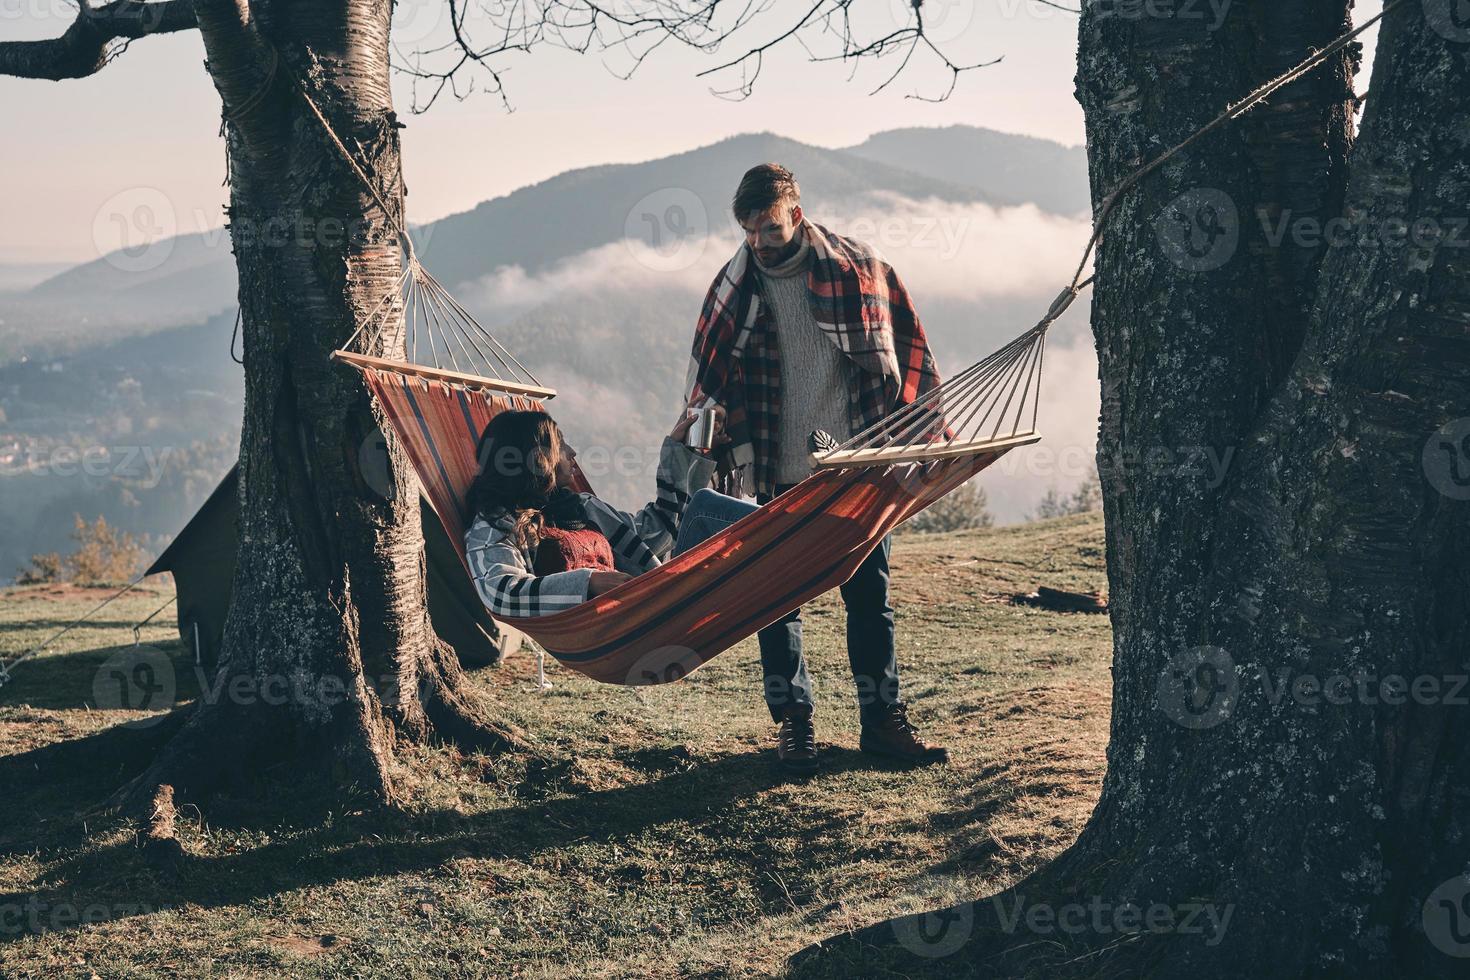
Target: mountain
[
  {"x": 174, "y": 282},
  {"x": 18, "y": 276},
  {"x": 183, "y": 280},
  {"x": 139, "y": 269},
  {"x": 684, "y": 195},
  {"x": 1010, "y": 169}
]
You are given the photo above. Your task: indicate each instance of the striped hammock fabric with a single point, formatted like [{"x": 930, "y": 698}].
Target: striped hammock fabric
[
  {"x": 439, "y": 425},
  {"x": 664, "y": 624}
]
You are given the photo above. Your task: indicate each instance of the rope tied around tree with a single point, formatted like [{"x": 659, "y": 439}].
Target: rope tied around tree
[
  {"x": 255, "y": 98},
  {"x": 1232, "y": 112}
]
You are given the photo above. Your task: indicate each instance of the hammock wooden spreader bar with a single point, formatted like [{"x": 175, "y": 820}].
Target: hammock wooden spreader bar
[
  {"x": 992, "y": 404},
  {"x": 428, "y": 325}
]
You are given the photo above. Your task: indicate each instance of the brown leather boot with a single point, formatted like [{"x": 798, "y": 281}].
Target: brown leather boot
[
  {"x": 796, "y": 745},
  {"x": 889, "y": 733}
]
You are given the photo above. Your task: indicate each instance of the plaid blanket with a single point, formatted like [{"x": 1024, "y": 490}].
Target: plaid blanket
[{"x": 858, "y": 300}]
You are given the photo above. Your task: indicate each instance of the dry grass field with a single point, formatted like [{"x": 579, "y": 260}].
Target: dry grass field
[{"x": 660, "y": 839}]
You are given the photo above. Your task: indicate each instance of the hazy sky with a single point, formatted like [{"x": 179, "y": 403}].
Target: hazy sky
[
  {"x": 150, "y": 119},
  {"x": 147, "y": 124}
]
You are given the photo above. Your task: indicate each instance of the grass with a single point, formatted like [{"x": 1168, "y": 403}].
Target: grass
[{"x": 661, "y": 840}]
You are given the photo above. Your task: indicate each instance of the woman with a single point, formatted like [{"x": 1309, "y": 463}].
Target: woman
[{"x": 536, "y": 546}]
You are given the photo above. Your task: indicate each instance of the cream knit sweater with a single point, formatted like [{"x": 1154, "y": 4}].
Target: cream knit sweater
[{"x": 816, "y": 377}]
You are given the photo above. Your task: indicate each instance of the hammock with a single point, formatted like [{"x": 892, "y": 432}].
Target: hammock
[{"x": 664, "y": 624}]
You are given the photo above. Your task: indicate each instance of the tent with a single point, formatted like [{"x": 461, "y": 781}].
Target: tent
[{"x": 202, "y": 560}]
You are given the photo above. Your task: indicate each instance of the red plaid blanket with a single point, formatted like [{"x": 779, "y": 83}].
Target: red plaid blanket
[{"x": 858, "y": 301}]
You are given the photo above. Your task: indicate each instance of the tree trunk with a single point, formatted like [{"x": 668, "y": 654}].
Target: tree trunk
[
  {"x": 1290, "y": 719},
  {"x": 1326, "y": 558},
  {"x": 328, "y": 654}
]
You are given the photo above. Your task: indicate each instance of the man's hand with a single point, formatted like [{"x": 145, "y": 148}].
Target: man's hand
[{"x": 601, "y": 582}]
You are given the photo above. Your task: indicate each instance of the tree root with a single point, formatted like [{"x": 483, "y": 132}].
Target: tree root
[
  {"x": 161, "y": 847},
  {"x": 460, "y": 714},
  {"x": 196, "y": 760}
]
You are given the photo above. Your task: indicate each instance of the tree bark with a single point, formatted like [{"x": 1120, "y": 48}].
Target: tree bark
[
  {"x": 328, "y": 654},
  {"x": 1325, "y": 820},
  {"x": 1289, "y": 728}
]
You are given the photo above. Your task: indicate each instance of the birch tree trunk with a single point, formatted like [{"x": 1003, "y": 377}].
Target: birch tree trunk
[{"x": 328, "y": 654}]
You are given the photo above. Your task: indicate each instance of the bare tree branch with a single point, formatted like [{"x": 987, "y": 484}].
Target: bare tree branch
[
  {"x": 88, "y": 44},
  {"x": 480, "y": 32}
]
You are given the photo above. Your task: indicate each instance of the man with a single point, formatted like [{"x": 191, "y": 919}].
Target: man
[{"x": 806, "y": 333}]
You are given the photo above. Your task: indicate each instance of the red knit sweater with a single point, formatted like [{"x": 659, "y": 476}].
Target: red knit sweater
[{"x": 562, "y": 551}]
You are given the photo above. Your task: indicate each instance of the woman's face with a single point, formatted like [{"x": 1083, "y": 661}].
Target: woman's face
[{"x": 564, "y": 467}]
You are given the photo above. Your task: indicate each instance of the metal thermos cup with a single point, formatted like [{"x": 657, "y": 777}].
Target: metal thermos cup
[{"x": 702, "y": 432}]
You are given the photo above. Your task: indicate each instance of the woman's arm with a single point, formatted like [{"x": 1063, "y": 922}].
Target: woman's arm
[
  {"x": 681, "y": 471},
  {"x": 507, "y": 586}
]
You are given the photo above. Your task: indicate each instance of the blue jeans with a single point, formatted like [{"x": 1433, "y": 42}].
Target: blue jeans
[
  {"x": 709, "y": 512},
  {"x": 871, "y": 650}
]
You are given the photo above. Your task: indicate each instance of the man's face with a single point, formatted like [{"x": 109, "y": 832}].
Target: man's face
[{"x": 775, "y": 235}]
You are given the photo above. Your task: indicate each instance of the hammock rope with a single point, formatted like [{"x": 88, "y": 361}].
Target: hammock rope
[
  {"x": 1232, "y": 112},
  {"x": 441, "y": 338}
]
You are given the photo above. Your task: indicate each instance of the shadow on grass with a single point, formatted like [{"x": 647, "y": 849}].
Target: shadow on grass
[
  {"x": 313, "y": 842},
  {"x": 87, "y": 679}
]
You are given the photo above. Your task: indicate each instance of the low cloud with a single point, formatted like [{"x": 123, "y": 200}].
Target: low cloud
[
  {"x": 974, "y": 251},
  {"x": 943, "y": 249},
  {"x": 622, "y": 267}
]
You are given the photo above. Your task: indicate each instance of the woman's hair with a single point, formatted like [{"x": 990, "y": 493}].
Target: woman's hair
[{"x": 518, "y": 456}]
